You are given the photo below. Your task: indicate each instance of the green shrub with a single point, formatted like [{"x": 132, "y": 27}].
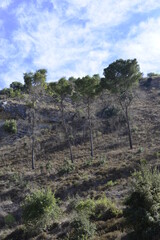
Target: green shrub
[
  {"x": 67, "y": 167},
  {"x": 109, "y": 112},
  {"x": 88, "y": 162},
  {"x": 143, "y": 204},
  {"x": 40, "y": 208},
  {"x": 105, "y": 209},
  {"x": 102, "y": 160},
  {"x": 83, "y": 228},
  {"x": 87, "y": 206},
  {"x": 111, "y": 183},
  {"x": 9, "y": 220},
  {"x": 102, "y": 208},
  {"x": 10, "y": 126},
  {"x": 48, "y": 166}
]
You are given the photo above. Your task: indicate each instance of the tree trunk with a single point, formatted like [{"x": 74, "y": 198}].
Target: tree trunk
[
  {"x": 90, "y": 129},
  {"x": 33, "y": 141},
  {"x": 66, "y": 132},
  {"x": 129, "y": 129},
  {"x": 33, "y": 158}
]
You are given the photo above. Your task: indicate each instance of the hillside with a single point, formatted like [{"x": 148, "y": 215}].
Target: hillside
[{"x": 107, "y": 174}]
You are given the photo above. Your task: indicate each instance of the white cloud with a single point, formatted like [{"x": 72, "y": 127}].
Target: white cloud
[
  {"x": 143, "y": 43},
  {"x": 5, "y": 3},
  {"x": 73, "y": 39}
]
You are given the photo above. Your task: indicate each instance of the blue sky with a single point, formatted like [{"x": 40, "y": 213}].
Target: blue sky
[{"x": 76, "y": 37}]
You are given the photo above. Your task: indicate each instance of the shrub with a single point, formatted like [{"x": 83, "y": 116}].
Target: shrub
[
  {"x": 109, "y": 112},
  {"x": 83, "y": 228},
  {"x": 102, "y": 208},
  {"x": 143, "y": 204},
  {"x": 9, "y": 220},
  {"x": 10, "y": 126},
  {"x": 48, "y": 166},
  {"x": 68, "y": 167},
  {"x": 88, "y": 162},
  {"x": 40, "y": 208},
  {"x": 105, "y": 209},
  {"x": 87, "y": 206},
  {"x": 110, "y": 184}
]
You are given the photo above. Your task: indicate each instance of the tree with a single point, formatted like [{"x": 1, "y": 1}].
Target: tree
[
  {"x": 60, "y": 90},
  {"x": 39, "y": 77},
  {"x": 119, "y": 78},
  {"x": 87, "y": 88},
  {"x": 152, "y": 74},
  {"x": 35, "y": 79},
  {"x": 35, "y": 84},
  {"x": 16, "y": 86},
  {"x": 28, "y": 79}
]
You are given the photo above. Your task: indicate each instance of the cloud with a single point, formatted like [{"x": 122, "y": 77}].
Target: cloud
[
  {"x": 78, "y": 37},
  {"x": 143, "y": 43},
  {"x": 5, "y": 3}
]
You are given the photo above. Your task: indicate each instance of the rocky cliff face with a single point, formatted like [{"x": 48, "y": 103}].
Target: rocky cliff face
[{"x": 13, "y": 109}]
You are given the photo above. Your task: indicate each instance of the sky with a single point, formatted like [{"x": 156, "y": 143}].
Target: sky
[{"x": 76, "y": 37}]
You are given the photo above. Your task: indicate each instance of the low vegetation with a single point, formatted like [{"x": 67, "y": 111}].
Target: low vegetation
[
  {"x": 69, "y": 140},
  {"x": 40, "y": 209},
  {"x": 10, "y": 126},
  {"x": 143, "y": 204}
]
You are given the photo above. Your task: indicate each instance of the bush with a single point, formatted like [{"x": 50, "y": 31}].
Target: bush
[
  {"x": 88, "y": 210},
  {"x": 102, "y": 208},
  {"x": 105, "y": 209},
  {"x": 40, "y": 208},
  {"x": 143, "y": 204},
  {"x": 10, "y": 126},
  {"x": 87, "y": 206},
  {"x": 9, "y": 220},
  {"x": 68, "y": 167},
  {"x": 108, "y": 112},
  {"x": 83, "y": 228}
]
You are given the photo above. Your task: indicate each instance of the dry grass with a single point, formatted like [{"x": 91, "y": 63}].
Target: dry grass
[{"x": 113, "y": 161}]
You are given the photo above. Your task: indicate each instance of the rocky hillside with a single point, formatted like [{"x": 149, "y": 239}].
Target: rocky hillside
[{"x": 108, "y": 173}]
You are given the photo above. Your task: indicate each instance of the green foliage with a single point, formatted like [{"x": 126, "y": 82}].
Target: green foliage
[
  {"x": 121, "y": 75},
  {"x": 83, "y": 228},
  {"x": 105, "y": 209},
  {"x": 86, "y": 211},
  {"x": 87, "y": 206},
  {"x": 109, "y": 112},
  {"x": 40, "y": 208},
  {"x": 88, "y": 162},
  {"x": 16, "y": 86},
  {"x": 111, "y": 183},
  {"x": 67, "y": 167},
  {"x": 11, "y": 93},
  {"x": 9, "y": 220},
  {"x": 35, "y": 79},
  {"x": 48, "y": 166},
  {"x": 88, "y": 87},
  {"x": 143, "y": 204},
  {"x": 10, "y": 126},
  {"x": 39, "y": 77},
  {"x": 102, "y": 208},
  {"x": 28, "y": 78},
  {"x": 60, "y": 89},
  {"x": 102, "y": 160},
  {"x": 5, "y": 91},
  {"x": 152, "y": 74}
]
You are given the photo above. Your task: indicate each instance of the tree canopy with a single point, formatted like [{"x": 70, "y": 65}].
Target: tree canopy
[
  {"x": 88, "y": 87},
  {"x": 60, "y": 89},
  {"x": 16, "y": 86},
  {"x": 35, "y": 79},
  {"x": 121, "y": 75}
]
